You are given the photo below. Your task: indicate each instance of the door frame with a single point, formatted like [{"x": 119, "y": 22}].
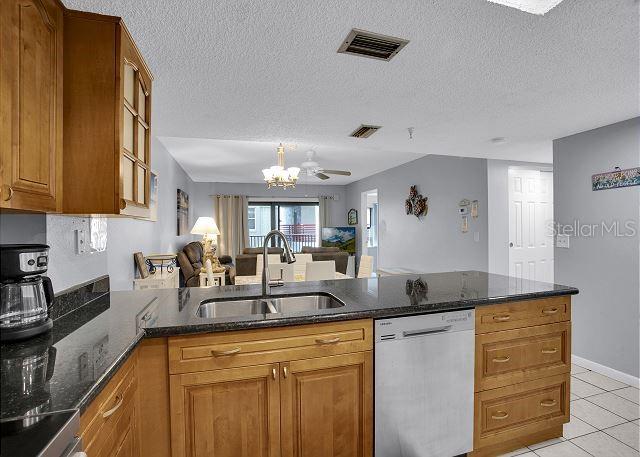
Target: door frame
[{"x": 362, "y": 223}]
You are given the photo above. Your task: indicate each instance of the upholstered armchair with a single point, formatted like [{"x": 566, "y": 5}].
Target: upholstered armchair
[{"x": 190, "y": 260}]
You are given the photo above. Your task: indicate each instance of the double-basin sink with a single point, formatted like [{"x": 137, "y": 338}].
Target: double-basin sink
[{"x": 269, "y": 305}]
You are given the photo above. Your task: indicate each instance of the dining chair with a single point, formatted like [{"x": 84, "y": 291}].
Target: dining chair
[
  {"x": 299, "y": 267},
  {"x": 271, "y": 258},
  {"x": 318, "y": 271},
  {"x": 365, "y": 270},
  {"x": 284, "y": 271}
]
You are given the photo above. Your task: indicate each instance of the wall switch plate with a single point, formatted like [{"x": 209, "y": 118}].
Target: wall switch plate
[
  {"x": 562, "y": 241},
  {"x": 476, "y": 236},
  {"x": 81, "y": 241}
]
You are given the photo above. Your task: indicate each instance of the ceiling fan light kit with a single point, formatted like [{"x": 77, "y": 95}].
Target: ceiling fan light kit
[{"x": 278, "y": 176}]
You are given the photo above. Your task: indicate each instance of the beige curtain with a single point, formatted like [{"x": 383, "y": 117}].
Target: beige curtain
[
  {"x": 325, "y": 212},
  {"x": 230, "y": 212}
]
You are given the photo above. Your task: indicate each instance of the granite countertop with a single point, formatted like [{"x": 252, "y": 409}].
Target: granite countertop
[{"x": 74, "y": 361}]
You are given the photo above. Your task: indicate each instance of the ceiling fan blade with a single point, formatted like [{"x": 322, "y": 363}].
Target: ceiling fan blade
[
  {"x": 321, "y": 176},
  {"x": 337, "y": 172}
]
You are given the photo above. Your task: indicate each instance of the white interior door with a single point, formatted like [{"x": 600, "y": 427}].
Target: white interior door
[{"x": 530, "y": 212}]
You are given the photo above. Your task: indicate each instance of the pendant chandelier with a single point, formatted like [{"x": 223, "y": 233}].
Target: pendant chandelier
[{"x": 278, "y": 176}]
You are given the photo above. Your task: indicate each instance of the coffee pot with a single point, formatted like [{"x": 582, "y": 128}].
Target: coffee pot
[{"x": 25, "y": 295}]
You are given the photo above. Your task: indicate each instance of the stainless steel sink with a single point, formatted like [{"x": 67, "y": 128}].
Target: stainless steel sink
[
  {"x": 235, "y": 308},
  {"x": 305, "y": 303},
  {"x": 238, "y": 308}
]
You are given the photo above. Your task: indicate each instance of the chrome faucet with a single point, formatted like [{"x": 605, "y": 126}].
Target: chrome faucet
[{"x": 267, "y": 283}]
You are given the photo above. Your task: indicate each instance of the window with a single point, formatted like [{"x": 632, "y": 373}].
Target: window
[
  {"x": 297, "y": 220},
  {"x": 251, "y": 216}
]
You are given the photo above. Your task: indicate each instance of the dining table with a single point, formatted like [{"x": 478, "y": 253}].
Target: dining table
[{"x": 257, "y": 279}]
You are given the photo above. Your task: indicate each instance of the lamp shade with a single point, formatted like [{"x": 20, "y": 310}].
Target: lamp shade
[{"x": 205, "y": 226}]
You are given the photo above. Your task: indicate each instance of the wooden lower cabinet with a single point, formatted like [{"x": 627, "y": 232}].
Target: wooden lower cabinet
[
  {"x": 226, "y": 413},
  {"x": 109, "y": 425},
  {"x": 522, "y": 374},
  {"x": 311, "y": 406},
  {"x": 326, "y": 406}
]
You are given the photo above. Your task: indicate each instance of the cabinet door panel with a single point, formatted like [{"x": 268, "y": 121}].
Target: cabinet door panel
[
  {"x": 327, "y": 406},
  {"x": 31, "y": 94},
  {"x": 226, "y": 413}
]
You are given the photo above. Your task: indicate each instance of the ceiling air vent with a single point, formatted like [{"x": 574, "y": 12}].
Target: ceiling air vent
[
  {"x": 372, "y": 45},
  {"x": 365, "y": 131}
]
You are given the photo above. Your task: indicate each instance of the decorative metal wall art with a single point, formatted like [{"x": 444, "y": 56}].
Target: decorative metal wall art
[{"x": 416, "y": 204}]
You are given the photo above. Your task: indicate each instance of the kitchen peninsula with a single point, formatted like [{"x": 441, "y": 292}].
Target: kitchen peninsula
[{"x": 145, "y": 369}]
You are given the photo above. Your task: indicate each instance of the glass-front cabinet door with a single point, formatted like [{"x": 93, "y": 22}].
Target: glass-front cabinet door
[{"x": 135, "y": 155}]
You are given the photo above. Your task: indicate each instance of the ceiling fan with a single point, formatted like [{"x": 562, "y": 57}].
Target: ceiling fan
[{"x": 313, "y": 168}]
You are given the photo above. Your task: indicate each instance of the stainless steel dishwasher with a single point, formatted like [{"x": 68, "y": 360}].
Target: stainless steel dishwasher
[{"x": 424, "y": 385}]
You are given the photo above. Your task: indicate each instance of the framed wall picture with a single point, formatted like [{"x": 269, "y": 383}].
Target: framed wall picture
[
  {"x": 183, "y": 213},
  {"x": 352, "y": 217},
  {"x": 616, "y": 179},
  {"x": 153, "y": 197}
]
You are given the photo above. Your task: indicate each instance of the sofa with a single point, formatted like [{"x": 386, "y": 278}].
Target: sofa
[
  {"x": 190, "y": 260},
  {"x": 246, "y": 262},
  {"x": 340, "y": 257}
]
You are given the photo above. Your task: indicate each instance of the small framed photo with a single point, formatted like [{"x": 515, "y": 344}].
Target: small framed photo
[
  {"x": 141, "y": 264},
  {"x": 352, "y": 217}
]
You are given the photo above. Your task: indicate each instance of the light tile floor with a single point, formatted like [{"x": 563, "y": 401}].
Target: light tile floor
[{"x": 604, "y": 420}]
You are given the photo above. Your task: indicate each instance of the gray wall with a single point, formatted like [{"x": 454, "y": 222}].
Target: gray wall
[
  {"x": 604, "y": 267},
  {"x": 22, "y": 228},
  {"x": 204, "y": 203},
  {"x": 498, "y": 210},
  {"x": 125, "y": 235},
  {"x": 436, "y": 242}
]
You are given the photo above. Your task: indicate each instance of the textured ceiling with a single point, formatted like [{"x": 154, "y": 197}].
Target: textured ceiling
[{"x": 263, "y": 71}]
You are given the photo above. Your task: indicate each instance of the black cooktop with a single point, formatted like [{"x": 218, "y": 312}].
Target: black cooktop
[{"x": 31, "y": 435}]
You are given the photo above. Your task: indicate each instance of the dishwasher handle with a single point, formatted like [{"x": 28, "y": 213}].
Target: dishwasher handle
[{"x": 426, "y": 331}]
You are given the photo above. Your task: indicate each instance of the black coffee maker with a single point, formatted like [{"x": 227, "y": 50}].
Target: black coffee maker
[{"x": 25, "y": 295}]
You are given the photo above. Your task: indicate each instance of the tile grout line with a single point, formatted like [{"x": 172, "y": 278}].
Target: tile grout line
[
  {"x": 605, "y": 432},
  {"x": 615, "y": 414}
]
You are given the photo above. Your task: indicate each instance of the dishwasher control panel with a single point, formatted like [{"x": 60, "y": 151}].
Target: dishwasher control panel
[{"x": 398, "y": 328}]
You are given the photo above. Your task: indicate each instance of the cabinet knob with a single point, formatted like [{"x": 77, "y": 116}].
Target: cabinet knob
[{"x": 10, "y": 192}]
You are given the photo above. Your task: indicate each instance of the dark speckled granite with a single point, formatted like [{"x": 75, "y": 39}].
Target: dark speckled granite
[{"x": 87, "y": 345}]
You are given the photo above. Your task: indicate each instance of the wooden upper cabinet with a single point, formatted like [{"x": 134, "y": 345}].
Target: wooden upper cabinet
[
  {"x": 31, "y": 85},
  {"x": 107, "y": 118}
]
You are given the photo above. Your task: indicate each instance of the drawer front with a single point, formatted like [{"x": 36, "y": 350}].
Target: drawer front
[
  {"x": 256, "y": 347},
  {"x": 106, "y": 410},
  {"x": 521, "y": 314},
  {"x": 514, "y": 411},
  {"x": 512, "y": 356}
]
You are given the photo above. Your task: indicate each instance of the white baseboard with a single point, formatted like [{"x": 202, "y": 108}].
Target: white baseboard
[{"x": 604, "y": 370}]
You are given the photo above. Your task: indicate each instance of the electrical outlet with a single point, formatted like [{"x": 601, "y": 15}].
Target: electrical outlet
[
  {"x": 81, "y": 241},
  {"x": 562, "y": 241}
]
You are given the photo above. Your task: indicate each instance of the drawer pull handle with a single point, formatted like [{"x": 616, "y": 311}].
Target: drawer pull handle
[
  {"x": 549, "y": 351},
  {"x": 273, "y": 373},
  {"x": 500, "y": 415},
  {"x": 502, "y": 359},
  {"x": 10, "y": 196},
  {"x": 548, "y": 403},
  {"x": 285, "y": 372},
  {"x": 119, "y": 401},
  {"x": 227, "y": 352},
  {"x": 503, "y": 318},
  {"x": 328, "y": 340},
  {"x": 550, "y": 311}
]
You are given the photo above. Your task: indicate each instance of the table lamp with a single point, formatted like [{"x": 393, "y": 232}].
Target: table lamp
[{"x": 207, "y": 227}]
